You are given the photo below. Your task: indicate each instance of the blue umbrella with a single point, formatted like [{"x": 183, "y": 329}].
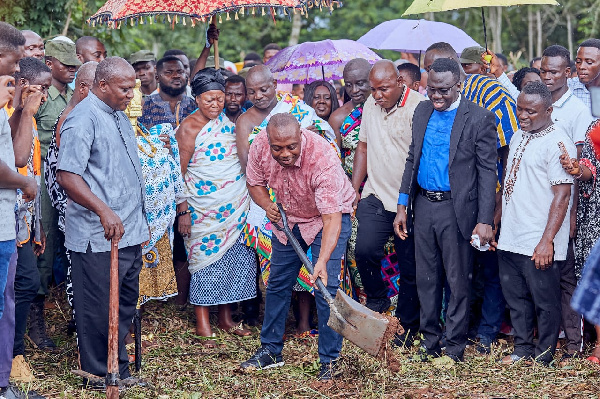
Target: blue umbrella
[{"x": 414, "y": 36}]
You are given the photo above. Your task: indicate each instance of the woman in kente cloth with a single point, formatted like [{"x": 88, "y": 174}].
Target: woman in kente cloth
[
  {"x": 588, "y": 209},
  {"x": 214, "y": 212}
]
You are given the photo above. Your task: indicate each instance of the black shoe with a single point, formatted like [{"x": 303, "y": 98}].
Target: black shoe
[
  {"x": 12, "y": 392},
  {"x": 329, "y": 371},
  {"x": 484, "y": 346},
  {"x": 379, "y": 305},
  {"x": 37, "y": 327},
  {"x": 71, "y": 327},
  {"x": 404, "y": 340},
  {"x": 262, "y": 359},
  {"x": 456, "y": 358}
]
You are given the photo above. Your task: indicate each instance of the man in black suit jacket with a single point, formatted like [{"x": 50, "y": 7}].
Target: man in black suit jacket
[{"x": 449, "y": 188}]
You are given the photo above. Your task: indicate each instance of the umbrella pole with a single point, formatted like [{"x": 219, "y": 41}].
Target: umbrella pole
[
  {"x": 323, "y": 71},
  {"x": 484, "y": 29},
  {"x": 216, "y": 44}
]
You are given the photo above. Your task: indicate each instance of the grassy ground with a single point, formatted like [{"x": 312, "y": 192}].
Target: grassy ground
[{"x": 179, "y": 367}]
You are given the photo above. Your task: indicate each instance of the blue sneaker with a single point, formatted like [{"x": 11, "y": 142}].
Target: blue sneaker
[{"x": 262, "y": 359}]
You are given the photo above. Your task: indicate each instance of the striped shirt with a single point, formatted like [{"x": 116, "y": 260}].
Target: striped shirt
[{"x": 491, "y": 95}]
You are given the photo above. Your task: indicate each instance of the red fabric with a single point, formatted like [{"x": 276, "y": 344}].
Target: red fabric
[
  {"x": 315, "y": 185},
  {"x": 594, "y": 135},
  {"x": 117, "y": 10}
]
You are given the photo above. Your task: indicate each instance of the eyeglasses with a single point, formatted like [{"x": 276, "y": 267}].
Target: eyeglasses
[{"x": 443, "y": 91}]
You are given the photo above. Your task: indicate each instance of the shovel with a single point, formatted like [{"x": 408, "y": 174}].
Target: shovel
[{"x": 363, "y": 327}]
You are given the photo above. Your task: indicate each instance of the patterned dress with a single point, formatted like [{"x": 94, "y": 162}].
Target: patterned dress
[
  {"x": 588, "y": 209},
  {"x": 223, "y": 268},
  {"x": 164, "y": 186}
]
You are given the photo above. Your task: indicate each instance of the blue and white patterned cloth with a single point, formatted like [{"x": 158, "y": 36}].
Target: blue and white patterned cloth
[{"x": 586, "y": 299}]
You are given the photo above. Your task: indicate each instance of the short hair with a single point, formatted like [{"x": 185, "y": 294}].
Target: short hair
[
  {"x": 295, "y": 85},
  {"x": 168, "y": 58},
  {"x": 503, "y": 58},
  {"x": 109, "y": 68},
  {"x": 558, "y": 51},
  {"x": 252, "y": 56},
  {"x": 541, "y": 90},
  {"x": 520, "y": 75},
  {"x": 282, "y": 121},
  {"x": 573, "y": 66},
  {"x": 591, "y": 43},
  {"x": 174, "y": 52},
  {"x": 271, "y": 46},
  {"x": 413, "y": 71},
  {"x": 235, "y": 79},
  {"x": 10, "y": 37},
  {"x": 86, "y": 73},
  {"x": 30, "y": 68},
  {"x": 309, "y": 93},
  {"x": 84, "y": 40},
  {"x": 442, "y": 47},
  {"x": 533, "y": 60},
  {"x": 446, "y": 65}
]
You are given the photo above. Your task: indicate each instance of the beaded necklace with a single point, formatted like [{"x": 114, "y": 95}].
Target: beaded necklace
[{"x": 146, "y": 135}]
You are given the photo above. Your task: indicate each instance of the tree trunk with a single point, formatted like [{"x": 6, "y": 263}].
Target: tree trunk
[
  {"x": 538, "y": 17},
  {"x": 570, "y": 33},
  {"x": 530, "y": 33},
  {"x": 296, "y": 26}
]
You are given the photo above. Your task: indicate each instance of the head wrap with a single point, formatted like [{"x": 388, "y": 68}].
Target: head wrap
[{"x": 207, "y": 79}]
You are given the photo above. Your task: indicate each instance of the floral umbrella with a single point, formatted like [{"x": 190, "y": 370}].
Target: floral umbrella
[
  {"x": 114, "y": 12},
  {"x": 323, "y": 60}
]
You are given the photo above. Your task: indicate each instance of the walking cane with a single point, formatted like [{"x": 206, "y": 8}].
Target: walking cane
[{"x": 112, "y": 377}]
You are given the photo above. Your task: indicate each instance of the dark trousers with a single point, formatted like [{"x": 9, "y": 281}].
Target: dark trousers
[
  {"x": 27, "y": 284},
  {"x": 285, "y": 266},
  {"x": 531, "y": 292},
  {"x": 375, "y": 226},
  {"x": 571, "y": 320},
  {"x": 487, "y": 276},
  {"x": 91, "y": 281},
  {"x": 441, "y": 250}
]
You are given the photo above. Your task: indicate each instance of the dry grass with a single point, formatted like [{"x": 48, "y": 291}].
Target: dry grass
[{"x": 181, "y": 368}]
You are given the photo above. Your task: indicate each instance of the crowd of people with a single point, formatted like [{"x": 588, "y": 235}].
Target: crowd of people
[{"x": 462, "y": 190}]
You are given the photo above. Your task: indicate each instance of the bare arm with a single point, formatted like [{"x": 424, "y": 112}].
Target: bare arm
[
  {"x": 544, "y": 252},
  {"x": 21, "y": 123},
  {"x": 212, "y": 35},
  {"x": 332, "y": 226},
  {"x": 359, "y": 168},
  {"x": 11, "y": 179},
  {"x": 242, "y": 132},
  {"x": 186, "y": 140},
  {"x": 78, "y": 190}
]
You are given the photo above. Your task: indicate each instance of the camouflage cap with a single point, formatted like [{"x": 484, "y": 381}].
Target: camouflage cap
[
  {"x": 142, "y": 56},
  {"x": 471, "y": 55},
  {"x": 62, "y": 51}
]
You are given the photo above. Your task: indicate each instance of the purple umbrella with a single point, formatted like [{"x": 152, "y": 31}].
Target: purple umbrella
[
  {"x": 414, "y": 36},
  {"x": 310, "y": 61}
]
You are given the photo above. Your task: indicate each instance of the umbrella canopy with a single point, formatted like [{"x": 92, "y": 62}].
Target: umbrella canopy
[
  {"x": 414, "y": 36},
  {"x": 323, "y": 60},
  {"x": 113, "y": 12},
  {"x": 423, "y": 6}
]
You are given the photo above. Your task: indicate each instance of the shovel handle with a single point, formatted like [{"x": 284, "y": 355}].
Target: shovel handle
[{"x": 301, "y": 253}]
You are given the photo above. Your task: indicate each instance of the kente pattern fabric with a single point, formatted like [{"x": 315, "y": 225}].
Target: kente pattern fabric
[
  {"x": 257, "y": 231},
  {"x": 215, "y": 189},
  {"x": 349, "y": 132},
  {"x": 157, "y": 276}
]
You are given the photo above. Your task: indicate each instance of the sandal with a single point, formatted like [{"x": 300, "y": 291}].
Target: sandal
[
  {"x": 239, "y": 330},
  {"x": 208, "y": 342},
  {"x": 512, "y": 359}
]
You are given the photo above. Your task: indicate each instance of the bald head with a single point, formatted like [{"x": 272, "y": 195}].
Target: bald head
[
  {"x": 356, "y": 80},
  {"x": 89, "y": 48},
  {"x": 34, "y": 45},
  {"x": 285, "y": 139},
  {"x": 359, "y": 65},
  {"x": 384, "y": 69},
  {"x": 386, "y": 85},
  {"x": 86, "y": 74},
  {"x": 114, "y": 82},
  {"x": 261, "y": 88}
]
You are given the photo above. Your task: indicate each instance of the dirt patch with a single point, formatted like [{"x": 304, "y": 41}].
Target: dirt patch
[{"x": 386, "y": 354}]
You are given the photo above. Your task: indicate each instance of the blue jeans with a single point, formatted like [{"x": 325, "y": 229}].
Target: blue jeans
[
  {"x": 7, "y": 249},
  {"x": 7, "y": 321},
  {"x": 285, "y": 266}
]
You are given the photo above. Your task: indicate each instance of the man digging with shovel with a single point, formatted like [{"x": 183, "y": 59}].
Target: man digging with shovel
[{"x": 306, "y": 175}]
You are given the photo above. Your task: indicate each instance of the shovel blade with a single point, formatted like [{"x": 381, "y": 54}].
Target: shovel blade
[{"x": 358, "y": 324}]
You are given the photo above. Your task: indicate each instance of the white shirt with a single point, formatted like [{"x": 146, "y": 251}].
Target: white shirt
[
  {"x": 8, "y": 196},
  {"x": 528, "y": 193},
  {"x": 573, "y": 115}
]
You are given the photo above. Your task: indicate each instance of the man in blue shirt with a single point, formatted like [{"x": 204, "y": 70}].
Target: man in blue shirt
[{"x": 448, "y": 189}]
